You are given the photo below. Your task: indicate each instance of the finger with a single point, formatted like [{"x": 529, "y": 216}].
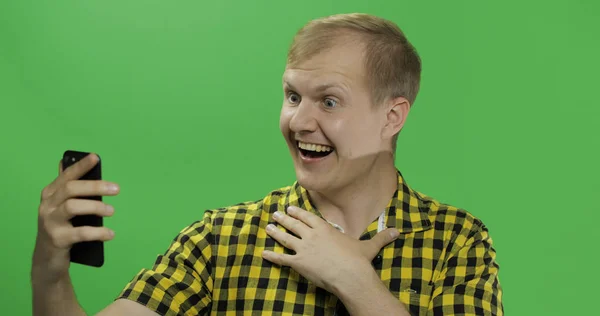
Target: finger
[
  {"x": 76, "y": 207},
  {"x": 67, "y": 236},
  {"x": 384, "y": 237},
  {"x": 283, "y": 238},
  {"x": 292, "y": 224},
  {"x": 80, "y": 188},
  {"x": 306, "y": 217},
  {"x": 53, "y": 186},
  {"x": 277, "y": 258},
  {"x": 373, "y": 246},
  {"x": 49, "y": 189},
  {"x": 88, "y": 233},
  {"x": 76, "y": 171}
]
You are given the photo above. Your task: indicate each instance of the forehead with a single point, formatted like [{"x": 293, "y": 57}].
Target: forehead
[{"x": 341, "y": 64}]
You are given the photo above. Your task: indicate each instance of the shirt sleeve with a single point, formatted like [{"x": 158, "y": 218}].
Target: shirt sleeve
[
  {"x": 468, "y": 284},
  {"x": 180, "y": 282}
]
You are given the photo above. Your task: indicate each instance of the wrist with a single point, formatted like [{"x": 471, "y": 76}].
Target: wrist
[
  {"x": 49, "y": 269},
  {"x": 356, "y": 282},
  {"x": 54, "y": 296},
  {"x": 42, "y": 279}
]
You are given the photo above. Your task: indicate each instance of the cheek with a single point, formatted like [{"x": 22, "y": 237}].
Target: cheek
[
  {"x": 353, "y": 137},
  {"x": 341, "y": 134},
  {"x": 284, "y": 120}
]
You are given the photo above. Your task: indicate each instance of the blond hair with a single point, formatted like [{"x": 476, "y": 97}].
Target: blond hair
[{"x": 392, "y": 65}]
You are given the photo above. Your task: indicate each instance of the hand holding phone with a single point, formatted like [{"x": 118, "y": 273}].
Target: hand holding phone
[
  {"x": 68, "y": 225},
  {"x": 89, "y": 253}
]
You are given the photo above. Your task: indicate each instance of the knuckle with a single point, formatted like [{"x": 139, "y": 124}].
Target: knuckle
[
  {"x": 70, "y": 187},
  {"x": 100, "y": 186},
  {"x": 42, "y": 209},
  {"x": 46, "y": 227},
  {"x": 46, "y": 193},
  {"x": 80, "y": 234},
  {"x": 292, "y": 225},
  {"x": 70, "y": 207},
  {"x": 55, "y": 239},
  {"x": 277, "y": 259},
  {"x": 45, "y": 211},
  {"x": 284, "y": 240}
]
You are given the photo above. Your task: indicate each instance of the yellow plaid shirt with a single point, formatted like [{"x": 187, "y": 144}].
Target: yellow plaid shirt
[{"x": 443, "y": 263}]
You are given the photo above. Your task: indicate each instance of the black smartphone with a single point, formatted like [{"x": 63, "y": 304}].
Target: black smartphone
[{"x": 90, "y": 253}]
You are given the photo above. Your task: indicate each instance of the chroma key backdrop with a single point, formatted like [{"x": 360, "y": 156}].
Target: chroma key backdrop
[{"x": 181, "y": 99}]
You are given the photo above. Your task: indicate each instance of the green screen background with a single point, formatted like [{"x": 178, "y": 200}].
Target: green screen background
[{"x": 181, "y": 99}]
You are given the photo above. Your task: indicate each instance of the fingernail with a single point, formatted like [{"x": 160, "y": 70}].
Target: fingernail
[
  {"x": 113, "y": 188},
  {"x": 270, "y": 227},
  {"x": 276, "y": 215},
  {"x": 395, "y": 233},
  {"x": 110, "y": 209},
  {"x": 111, "y": 233}
]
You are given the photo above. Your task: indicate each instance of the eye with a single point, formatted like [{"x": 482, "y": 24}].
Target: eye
[
  {"x": 293, "y": 98},
  {"x": 330, "y": 103}
]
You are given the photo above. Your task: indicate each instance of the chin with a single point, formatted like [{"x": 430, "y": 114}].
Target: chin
[{"x": 311, "y": 180}]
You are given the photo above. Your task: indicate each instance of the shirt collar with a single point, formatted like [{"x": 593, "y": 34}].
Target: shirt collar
[{"x": 407, "y": 210}]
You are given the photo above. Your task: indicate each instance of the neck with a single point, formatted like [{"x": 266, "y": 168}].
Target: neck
[{"x": 357, "y": 204}]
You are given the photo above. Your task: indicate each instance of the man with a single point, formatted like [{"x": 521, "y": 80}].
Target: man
[{"x": 350, "y": 236}]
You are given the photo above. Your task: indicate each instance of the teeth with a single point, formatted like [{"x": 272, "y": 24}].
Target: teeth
[{"x": 314, "y": 147}]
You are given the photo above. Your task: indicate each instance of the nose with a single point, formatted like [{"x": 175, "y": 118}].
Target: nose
[{"x": 303, "y": 118}]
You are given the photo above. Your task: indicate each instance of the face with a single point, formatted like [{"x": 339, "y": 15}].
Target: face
[{"x": 333, "y": 131}]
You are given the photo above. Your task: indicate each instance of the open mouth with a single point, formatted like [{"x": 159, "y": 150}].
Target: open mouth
[{"x": 314, "y": 151}]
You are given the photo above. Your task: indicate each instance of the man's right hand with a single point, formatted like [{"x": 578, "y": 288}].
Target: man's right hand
[
  {"x": 53, "y": 293},
  {"x": 59, "y": 203}
]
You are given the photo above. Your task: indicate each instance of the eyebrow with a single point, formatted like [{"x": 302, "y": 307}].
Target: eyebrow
[
  {"x": 289, "y": 85},
  {"x": 320, "y": 87}
]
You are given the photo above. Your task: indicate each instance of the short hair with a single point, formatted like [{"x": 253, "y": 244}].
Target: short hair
[{"x": 392, "y": 65}]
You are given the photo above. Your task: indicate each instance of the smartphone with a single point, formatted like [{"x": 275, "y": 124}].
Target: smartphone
[{"x": 90, "y": 253}]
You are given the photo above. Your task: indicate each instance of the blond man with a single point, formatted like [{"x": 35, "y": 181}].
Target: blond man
[{"x": 348, "y": 237}]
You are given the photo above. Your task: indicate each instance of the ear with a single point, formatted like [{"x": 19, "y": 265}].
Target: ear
[{"x": 396, "y": 113}]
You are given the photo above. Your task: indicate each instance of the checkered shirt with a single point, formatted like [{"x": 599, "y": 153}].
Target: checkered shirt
[{"x": 443, "y": 263}]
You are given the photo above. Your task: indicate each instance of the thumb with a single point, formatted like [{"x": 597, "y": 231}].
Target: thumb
[{"x": 373, "y": 246}]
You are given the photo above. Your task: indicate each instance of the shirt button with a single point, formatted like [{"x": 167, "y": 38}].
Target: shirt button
[{"x": 377, "y": 260}]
